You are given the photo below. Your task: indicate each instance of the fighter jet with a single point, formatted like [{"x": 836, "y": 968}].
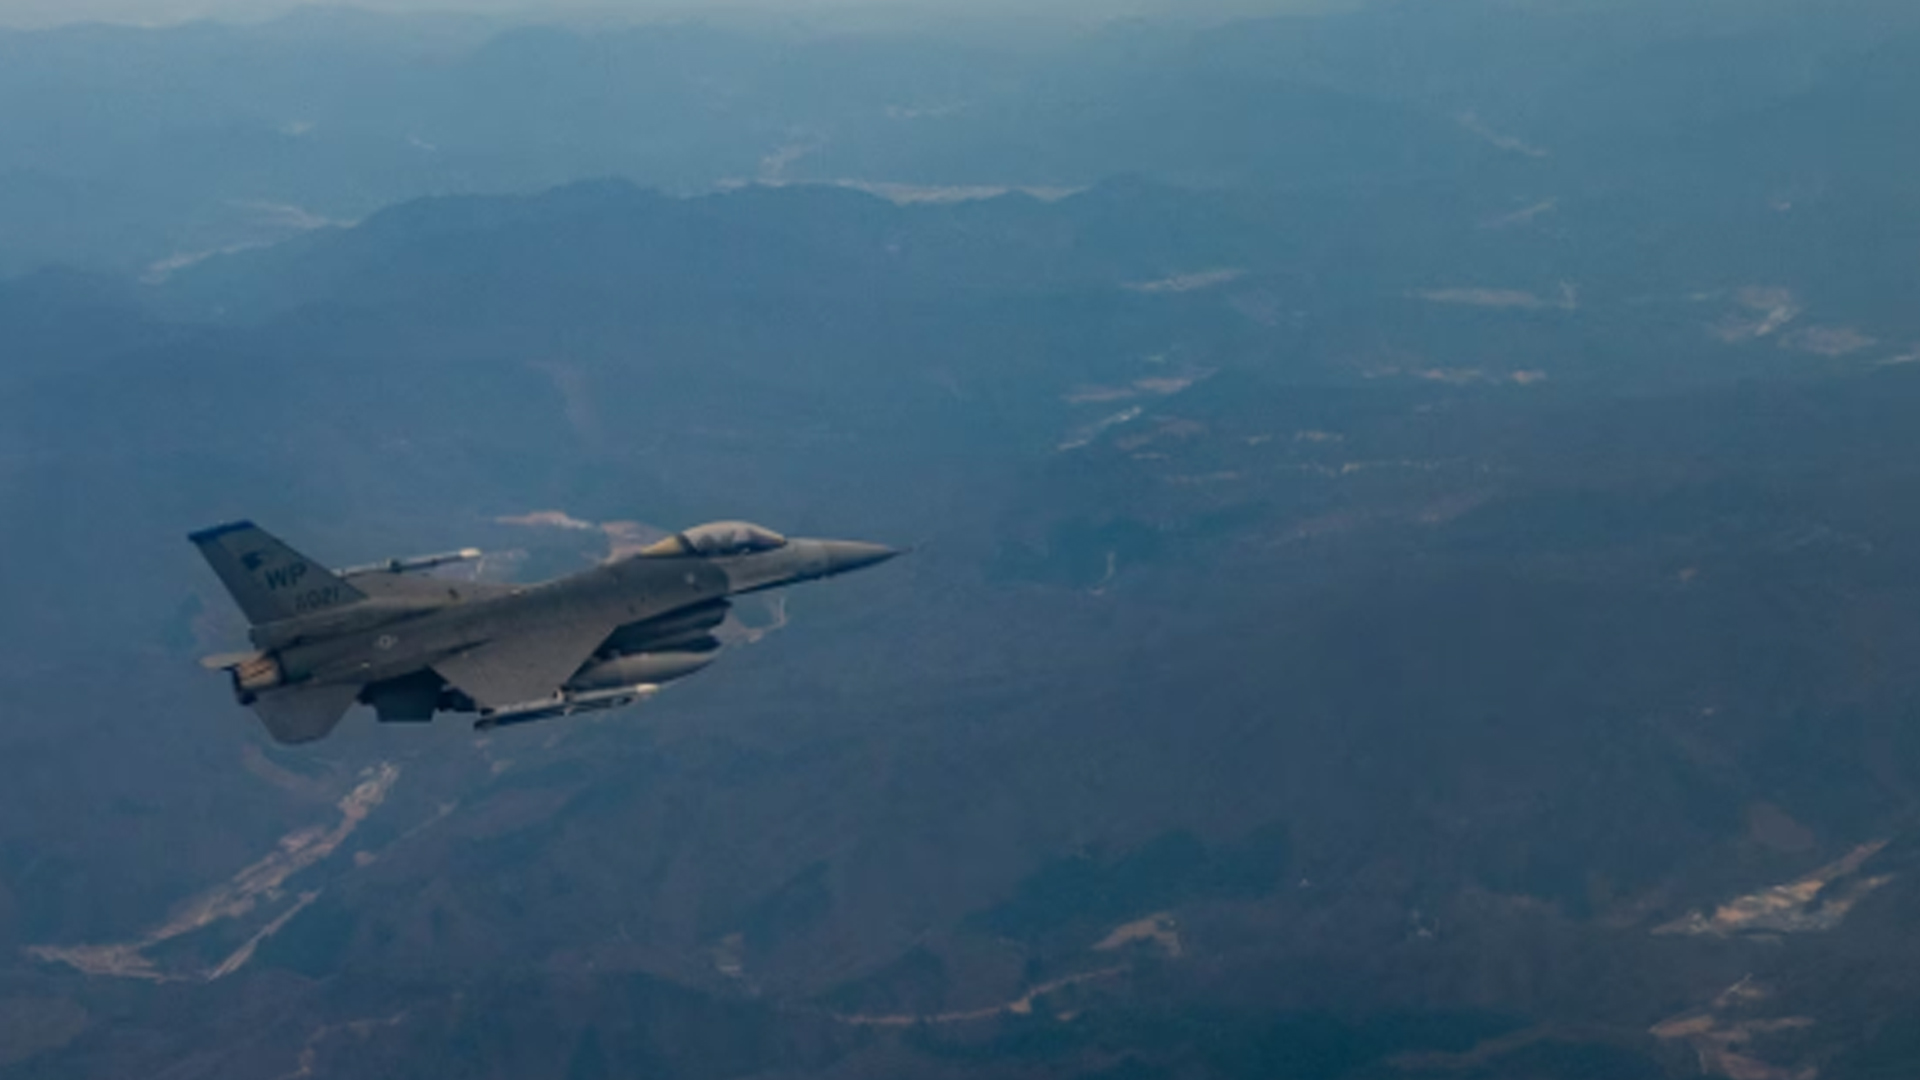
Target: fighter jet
[{"x": 411, "y": 645}]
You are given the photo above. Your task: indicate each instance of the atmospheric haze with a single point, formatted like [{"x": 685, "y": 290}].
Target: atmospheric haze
[{"x": 27, "y": 14}]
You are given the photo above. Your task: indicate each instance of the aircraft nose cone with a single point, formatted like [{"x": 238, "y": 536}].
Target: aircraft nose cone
[{"x": 845, "y": 555}]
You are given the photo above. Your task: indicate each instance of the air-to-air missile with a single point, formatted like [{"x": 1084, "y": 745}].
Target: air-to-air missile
[{"x": 411, "y": 645}]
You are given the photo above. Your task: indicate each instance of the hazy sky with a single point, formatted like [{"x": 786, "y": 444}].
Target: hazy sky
[
  {"x": 40, "y": 13},
  {"x": 53, "y": 12}
]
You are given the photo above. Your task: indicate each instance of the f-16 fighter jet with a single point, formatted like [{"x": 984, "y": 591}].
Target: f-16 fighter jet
[{"x": 412, "y": 645}]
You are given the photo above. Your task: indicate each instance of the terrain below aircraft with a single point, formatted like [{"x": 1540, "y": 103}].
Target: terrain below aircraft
[{"x": 412, "y": 645}]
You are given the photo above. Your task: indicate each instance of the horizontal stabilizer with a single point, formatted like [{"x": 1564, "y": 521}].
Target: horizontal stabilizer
[{"x": 304, "y": 713}]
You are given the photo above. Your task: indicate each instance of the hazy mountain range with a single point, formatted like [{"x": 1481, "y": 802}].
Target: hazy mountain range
[{"x": 129, "y": 149}]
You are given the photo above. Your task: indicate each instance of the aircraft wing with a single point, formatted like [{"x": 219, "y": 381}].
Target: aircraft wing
[
  {"x": 421, "y": 587},
  {"x": 524, "y": 667}
]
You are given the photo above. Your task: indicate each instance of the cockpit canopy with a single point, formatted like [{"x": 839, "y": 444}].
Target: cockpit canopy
[{"x": 717, "y": 538}]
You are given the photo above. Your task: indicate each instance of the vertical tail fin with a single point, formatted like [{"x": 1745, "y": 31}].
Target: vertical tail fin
[{"x": 269, "y": 580}]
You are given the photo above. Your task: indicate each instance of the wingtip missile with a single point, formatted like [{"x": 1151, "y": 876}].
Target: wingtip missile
[{"x": 414, "y": 564}]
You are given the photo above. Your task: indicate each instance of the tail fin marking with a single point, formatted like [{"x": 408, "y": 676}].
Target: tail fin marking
[{"x": 269, "y": 580}]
